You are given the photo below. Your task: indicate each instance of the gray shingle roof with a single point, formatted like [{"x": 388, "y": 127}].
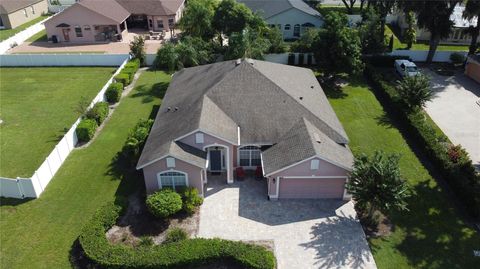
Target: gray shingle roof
[
  {"x": 269, "y": 8},
  {"x": 108, "y": 8},
  {"x": 151, "y": 7},
  {"x": 300, "y": 143},
  {"x": 253, "y": 95},
  {"x": 9, "y": 6}
]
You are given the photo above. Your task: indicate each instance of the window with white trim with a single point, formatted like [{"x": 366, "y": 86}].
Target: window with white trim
[
  {"x": 287, "y": 27},
  {"x": 78, "y": 31},
  {"x": 314, "y": 164},
  {"x": 296, "y": 30},
  {"x": 170, "y": 162},
  {"x": 199, "y": 138},
  {"x": 173, "y": 180},
  {"x": 249, "y": 156}
]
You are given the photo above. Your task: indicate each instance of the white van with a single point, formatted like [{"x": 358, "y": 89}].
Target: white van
[{"x": 406, "y": 68}]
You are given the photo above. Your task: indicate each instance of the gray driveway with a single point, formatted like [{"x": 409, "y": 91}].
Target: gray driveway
[
  {"x": 306, "y": 233},
  {"x": 455, "y": 111}
]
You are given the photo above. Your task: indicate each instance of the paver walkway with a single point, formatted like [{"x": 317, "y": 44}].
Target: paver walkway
[{"x": 306, "y": 233}]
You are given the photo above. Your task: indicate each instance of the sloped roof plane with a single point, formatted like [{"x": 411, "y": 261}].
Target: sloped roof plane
[{"x": 270, "y": 8}]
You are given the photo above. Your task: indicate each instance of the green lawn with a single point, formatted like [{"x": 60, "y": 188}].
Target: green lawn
[
  {"x": 397, "y": 43},
  {"x": 37, "y": 106},
  {"x": 431, "y": 234},
  {"x": 40, "y": 36},
  {"x": 40, "y": 233},
  {"x": 4, "y": 34}
]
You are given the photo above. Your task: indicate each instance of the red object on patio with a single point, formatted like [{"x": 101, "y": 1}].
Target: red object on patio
[
  {"x": 259, "y": 173},
  {"x": 240, "y": 173}
]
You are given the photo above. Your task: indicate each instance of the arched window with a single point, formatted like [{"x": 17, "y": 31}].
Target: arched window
[
  {"x": 287, "y": 27},
  {"x": 172, "y": 179},
  {"x": 296, "y": 30},
  {"x": 249, "y": 156}
]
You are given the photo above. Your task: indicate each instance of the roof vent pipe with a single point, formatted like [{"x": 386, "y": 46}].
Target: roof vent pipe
[
  {"x": 238, "y": 61},
  {"x": 169, "y": 109},
  {"x": 175, "y": 109}
]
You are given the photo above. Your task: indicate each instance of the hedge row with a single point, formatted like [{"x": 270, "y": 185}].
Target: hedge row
[
  {"x": 190, "y": 252},
  {"x": 92, "y": 119},
  {"x": 114, "y": 92},
  {"x": 128, "y": 72},
  {"x": 452, "y": 162}
]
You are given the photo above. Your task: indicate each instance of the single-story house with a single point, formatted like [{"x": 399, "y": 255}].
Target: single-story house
[
  {"x": 457, "y": 34},
  {"x": 100, "y": 21},
  {"x": 248, "y": 114},
  {"x": 14, "y": 13},
  {"x": 472, "y": 69},
  {"x": 292, "y": 17}
]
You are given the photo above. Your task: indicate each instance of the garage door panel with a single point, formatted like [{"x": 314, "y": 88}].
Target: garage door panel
[{"x": 314, "y": 188}]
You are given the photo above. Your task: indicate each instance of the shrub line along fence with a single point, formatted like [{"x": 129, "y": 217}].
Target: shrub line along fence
[
  {"x": 36, "y": 184},
  {"x": 20, "y": 37}
]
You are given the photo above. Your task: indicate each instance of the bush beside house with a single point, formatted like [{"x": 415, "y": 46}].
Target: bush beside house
[
  {"x": 452, "y": 161},
  {"x": 164, "y": 203}
]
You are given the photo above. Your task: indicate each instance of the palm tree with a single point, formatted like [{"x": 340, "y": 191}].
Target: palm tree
[
  {"x": 415, "y": 91},
  {"x": 375, "y": 184},
  {"x": 472, "y": 10}
]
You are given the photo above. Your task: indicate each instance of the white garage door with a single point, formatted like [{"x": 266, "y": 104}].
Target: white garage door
[{"x": 311, "y": 188}]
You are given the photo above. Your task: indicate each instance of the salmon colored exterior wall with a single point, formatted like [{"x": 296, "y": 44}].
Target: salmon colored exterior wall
[
  {"x": 303, "y": 170},
  {"x": 473, "y": 71},
  {"x": 150, "y": 173},
  {"x": 164, "y": 19},
  {"x": 210, "y": 140}
]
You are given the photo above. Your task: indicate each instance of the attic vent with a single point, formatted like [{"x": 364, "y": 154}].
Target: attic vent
[
  {"x": 311, "y": 87},
  {"x": 317, "y": 138},
  {"x": 301, "y": 97},
  {"x": 238, "y": 62},
  {"x": 175, "y": 109},
  {"x": 169, "y": 109}
]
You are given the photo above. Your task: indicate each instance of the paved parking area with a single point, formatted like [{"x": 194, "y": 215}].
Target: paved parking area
[
  {"x": 455, "y": 111},
  {"x": 306, "y": 233}
]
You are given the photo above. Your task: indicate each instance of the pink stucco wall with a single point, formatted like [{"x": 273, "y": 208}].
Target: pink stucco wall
[
  {"x": 176, "y": 17},
  {"x": 150, "y": 174},
  {"x": 211, "y": 141},
  {"x": 303, "y": 169},
  {"x": 76, "y": 15}
]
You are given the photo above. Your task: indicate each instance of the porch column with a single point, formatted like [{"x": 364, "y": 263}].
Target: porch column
[{"x": 230, "y": 165}]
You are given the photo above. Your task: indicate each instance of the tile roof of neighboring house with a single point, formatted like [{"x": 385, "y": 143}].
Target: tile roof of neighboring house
[
  {"x": 301, "y": 142},
  {"x": 269, "y": 8},
  {"x": 108, "y": 8},
  {"x": 263, "y": 99},
  {"x": 9, "y": 6},
  {"x": 151, "y": 7}
]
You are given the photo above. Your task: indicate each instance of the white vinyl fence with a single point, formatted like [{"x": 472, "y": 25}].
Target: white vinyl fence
[
  {"x": 20, "y": 37},
  {"x": 421, "y": 55},
  {"x": 62, "y": 59},
  {"x": 34, "y": 186}
]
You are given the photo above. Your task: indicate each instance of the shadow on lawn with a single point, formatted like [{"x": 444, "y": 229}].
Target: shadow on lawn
[
  {"x": 149, "y": 94},
  {"x": 433, "y": 238}
]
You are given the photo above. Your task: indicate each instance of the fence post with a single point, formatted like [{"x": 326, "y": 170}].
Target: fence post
[
  {"x": 20, "y": 188},
  {"x": 58, "y": 153},
  {"x": 49, "y": 168}
]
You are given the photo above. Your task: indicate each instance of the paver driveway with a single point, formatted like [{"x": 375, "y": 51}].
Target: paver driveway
[
  {"x": 455, "y": 111},
  {"x": 306, "y": 233}
]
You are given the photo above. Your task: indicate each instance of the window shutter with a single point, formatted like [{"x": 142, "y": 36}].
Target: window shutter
[
  {"x": 314, "y": 164},
  {"x": 170, "y": 162}
]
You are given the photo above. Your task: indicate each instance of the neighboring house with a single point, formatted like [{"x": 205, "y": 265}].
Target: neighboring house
[
  {"x": 251, "y": 114},
  {"x": 100, "y": 21},
  {"x": 14, "y": 13},
  {"x": 457, "y": 35},
  {"x": 292, "y": 17},
  {"x": 472, "y": 68}
]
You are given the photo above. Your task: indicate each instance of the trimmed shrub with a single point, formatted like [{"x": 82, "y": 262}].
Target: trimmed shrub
[
  {"x": 175, "y": 235},
  {"x": 130, "y": 71},
  {"x": 123, "y": 78},
  {"x": 191, "y": 200},
  {"x": 384, "y": 60},
  {"x": 134, "y": 64},
  {"x": 457, "y": 58},
  {"x": 98, "y": 112},
  {"x": 114, "y": 92},
  {"x": 185, "y": 253},
  {"x": 452, "y": 161},
  {"x": 136, "y": 139},
  {"x": 164, "y": 203},
  {"x": 86, "y": 129}
]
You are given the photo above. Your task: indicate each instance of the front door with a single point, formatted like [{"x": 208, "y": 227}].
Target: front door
[
  {"x": 66, "y": 36},
  {"x": 215, "y": 160}
]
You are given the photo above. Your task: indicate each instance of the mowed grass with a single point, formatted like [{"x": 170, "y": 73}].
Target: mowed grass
[
  {"x": 37, "y": 106},
  {"x": 431, "y": 234},
  {"x": 7, "y": 33},
  {"x": 40, "y": 36},
  {"x": 40, "y": 233}
]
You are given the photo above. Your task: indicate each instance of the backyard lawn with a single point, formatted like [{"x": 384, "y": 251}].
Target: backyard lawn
[
  {"x": 431, "y": 234},
  {"x": 37, "y": 106},
  {"x": 40, "y": 233},
  {"x": 4, "y": 34}
]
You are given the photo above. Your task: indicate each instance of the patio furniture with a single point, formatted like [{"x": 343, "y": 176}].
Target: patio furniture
[
  {"x": 259, "y": 173},
  {"x": 240, "y": 173}
]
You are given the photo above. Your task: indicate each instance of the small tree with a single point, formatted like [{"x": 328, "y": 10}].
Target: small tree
[
  {"x": 415, "y": 91},
  {"x": 247, "y": 44},
  {"x": 197, "y": 19},
  {"x": 274, "y": 36},
  {"x": 230, "y": 17},
  {"x": 137, "y": 49},
  {"x": 372, "y": 38},
  {"x": 411, "y": 33},
  {"x": 375, "y": 184},
  {"x": 337, "y": 47},
  {"x": 167, "y": 57}
]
